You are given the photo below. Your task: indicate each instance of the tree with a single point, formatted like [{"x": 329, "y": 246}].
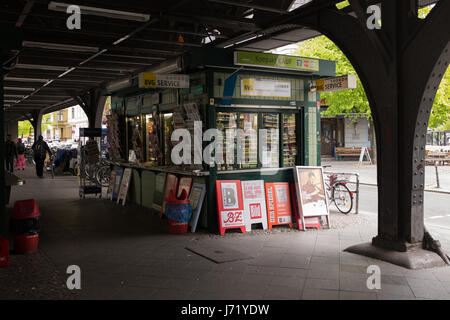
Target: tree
[
  {"x": 350, "y": 102},
  {"x": 25, "y": 128},
  {"x": 354, "y": 103}
]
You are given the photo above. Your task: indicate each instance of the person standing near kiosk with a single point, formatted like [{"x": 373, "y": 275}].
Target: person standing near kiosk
[{"x": 40, "y": 149}]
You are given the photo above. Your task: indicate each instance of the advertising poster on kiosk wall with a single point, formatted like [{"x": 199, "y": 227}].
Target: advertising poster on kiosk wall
[
  {"x": 230, "y": 205},
  {"x": 311, "y": 192},
  {"x": 278, "y": 204},
  {"x": 254, "y": 203}
]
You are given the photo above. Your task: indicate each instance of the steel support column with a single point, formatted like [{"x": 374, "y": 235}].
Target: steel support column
[
  {"x": 2, "y": 152},
  {"x": 93, "y": 103},
  {"x": 400, "y": 66}
]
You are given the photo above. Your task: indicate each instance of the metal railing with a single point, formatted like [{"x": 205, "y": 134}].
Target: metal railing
[{"x": 347, "y": 178}]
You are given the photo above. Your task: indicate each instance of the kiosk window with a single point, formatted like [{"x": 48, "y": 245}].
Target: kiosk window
[
  {"x": 168, "y": 129},
  {"x": 289, "y": 140},
  {"x": 270, "y": 155},
  {"x": 226, "y": 125},
  {"x": 247, "y": 149}
]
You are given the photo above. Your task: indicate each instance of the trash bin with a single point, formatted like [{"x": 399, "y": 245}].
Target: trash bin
[
  {"x": 25, "y": 226},
  {"x": 179, "y": 212},
  {"x": 4, "y": 252}
]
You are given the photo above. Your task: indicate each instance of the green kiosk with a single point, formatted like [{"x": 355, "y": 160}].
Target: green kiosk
[{"x": 235, "y": 92}]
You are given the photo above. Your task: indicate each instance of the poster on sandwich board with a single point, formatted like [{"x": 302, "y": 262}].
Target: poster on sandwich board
[
  {"x": 230, "y": 205},
  {"x": 311, "y": 194},
  {"x": 278, "y": 201},
  {"x": 254, "y": 198}
]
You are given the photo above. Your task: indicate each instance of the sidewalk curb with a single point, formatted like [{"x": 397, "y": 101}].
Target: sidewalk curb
[{"x": 426, "y": 190}]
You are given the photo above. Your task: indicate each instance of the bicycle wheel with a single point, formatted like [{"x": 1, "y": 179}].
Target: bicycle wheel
[
  {"x": 343, "y": 198},
  {"x": 103, "y": 176}
]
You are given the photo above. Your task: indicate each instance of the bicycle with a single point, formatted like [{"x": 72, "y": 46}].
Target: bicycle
[{"x": 339, "y": 193}]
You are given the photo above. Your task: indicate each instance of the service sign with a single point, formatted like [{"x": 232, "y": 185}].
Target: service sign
[
  {"x": 229, "y": 205},
  {"x": 278, "y": 204},
  {"x": 275, "y": 61},
  {"x": 251, "y": 87},
  {"x": 254, "y": 203},
  {"x": 155, "y": 80},
  {"x": 336, "y": 83}
]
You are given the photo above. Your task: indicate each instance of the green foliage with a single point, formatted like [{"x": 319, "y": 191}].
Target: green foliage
[
  {"x": 440, "y": 114},
  {"x": 46, "y": 122},
  {"x": 352, "y": 102},
  {"x": 25, "y": 128}
]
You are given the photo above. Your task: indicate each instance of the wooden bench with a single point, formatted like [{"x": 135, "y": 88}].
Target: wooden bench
[{"x": 347, "y": 152}]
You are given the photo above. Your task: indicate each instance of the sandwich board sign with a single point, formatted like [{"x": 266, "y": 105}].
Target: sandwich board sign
[
  {"x": 112, "y": 179},
  {"x": 198, "y": 192},
  {"x": 117, "y": 182},
  {"x": 229, "y": 205},
  {"x": 364, "y": 152},
  {"x": 278, "y": 204},
  {"x": 124, "y": 185},
  {"x": 310, "y": 187},
  {"x": 254, "y": 203},
  {"x": 310, "y": 222}
]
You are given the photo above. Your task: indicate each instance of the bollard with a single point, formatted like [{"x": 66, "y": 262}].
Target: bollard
[{"x": 437, "y": 174}]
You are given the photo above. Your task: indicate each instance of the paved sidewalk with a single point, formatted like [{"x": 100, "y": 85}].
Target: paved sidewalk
[
  {"x": 368, "y": 173},
  {"x": 127, "y": 253}
]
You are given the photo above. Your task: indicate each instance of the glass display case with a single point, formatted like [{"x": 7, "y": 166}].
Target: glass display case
[
  {"x": 135, "y": 140},
  {"x": 227, "y": 140},
  {"x": 289, "y": 140},
  {"x": 168, "y": 125},
  {"x": 247, "y": 149},
  {"x": 152, "y": 139},
  {"x": 270, "y": 156}
]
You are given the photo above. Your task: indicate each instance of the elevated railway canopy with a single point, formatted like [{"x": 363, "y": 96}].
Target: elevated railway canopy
[
  {"x": 117, "y": 39},
  {"x": 48, "y": 66}
]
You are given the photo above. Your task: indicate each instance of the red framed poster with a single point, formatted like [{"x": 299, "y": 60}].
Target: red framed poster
[
  {"x": 230, "y": 205},
  {"x": 278, "y": 204},
  {"x": 171, "y": 184},
  {"x": 310, "y": 222},
  {"x": 185, "y": 183},
  {"x": 254, "y": 203}
]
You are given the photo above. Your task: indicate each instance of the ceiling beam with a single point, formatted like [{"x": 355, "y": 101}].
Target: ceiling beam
[
  {"x": 26, "y": 10},
  {"x": 250, "y": 5}
]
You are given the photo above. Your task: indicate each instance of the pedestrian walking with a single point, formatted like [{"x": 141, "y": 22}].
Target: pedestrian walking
[
  {"x": 20, "y": 162},
  {"x": 10, "y": 154},
  {"x": 40, "y": 150}
]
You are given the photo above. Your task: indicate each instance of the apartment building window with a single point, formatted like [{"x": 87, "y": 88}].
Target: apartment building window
[
  {"x": 60, "y": 116},
  {"x": 73, "y": 113}
]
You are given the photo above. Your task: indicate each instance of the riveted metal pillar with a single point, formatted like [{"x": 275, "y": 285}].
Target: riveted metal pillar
[{"x": 400, "y": 67}]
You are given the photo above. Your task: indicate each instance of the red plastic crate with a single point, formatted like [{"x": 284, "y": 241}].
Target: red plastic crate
[
  {"x": 4, "y": 252},
  {"x": 178, "y": 227},
  {"x": 25, "y": 209},
  {"x": 26, "y": 243}
]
